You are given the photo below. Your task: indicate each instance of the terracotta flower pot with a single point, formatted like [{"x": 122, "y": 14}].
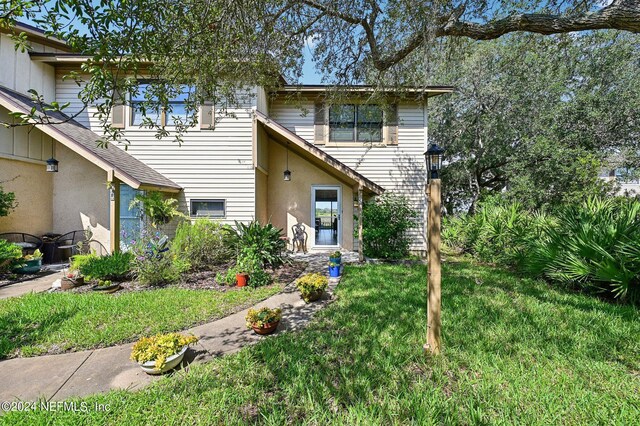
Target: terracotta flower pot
[
  {"x": 267, "y": 328},
  {"x": 242, "y": 279}
]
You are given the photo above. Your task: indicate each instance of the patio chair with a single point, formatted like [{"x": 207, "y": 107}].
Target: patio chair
[
  {"x": 71, "y": 243},
  {"x": 29, "y": 243},
  {"x": 299, "y": 238}
]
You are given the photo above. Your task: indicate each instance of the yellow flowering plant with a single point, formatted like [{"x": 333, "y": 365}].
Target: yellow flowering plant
[
  {"x": 311, "y": 284},
  {"x": 160, "y": 347},
  {"x": 263, "y": 316}
]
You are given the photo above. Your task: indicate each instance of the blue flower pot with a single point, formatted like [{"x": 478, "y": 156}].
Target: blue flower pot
[
  {"x": 334, "y": 271},
  {"x": 335, "y": 259}
]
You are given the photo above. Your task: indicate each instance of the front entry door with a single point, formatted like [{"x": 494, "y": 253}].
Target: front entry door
[{"x": 326, "y": 215}]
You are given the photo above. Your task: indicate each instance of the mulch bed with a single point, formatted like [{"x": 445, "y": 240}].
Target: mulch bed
[{"x": 206, "y": 280}]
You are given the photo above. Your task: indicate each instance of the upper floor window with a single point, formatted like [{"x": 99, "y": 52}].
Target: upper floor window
[
  {"x": 355, "y": 123},
  {"x": 139, "y": 111}
]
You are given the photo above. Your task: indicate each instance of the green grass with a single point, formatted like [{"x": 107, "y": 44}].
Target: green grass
[
  {"x": 36, "y": 324},
  {"x": 515, "y": 351}
]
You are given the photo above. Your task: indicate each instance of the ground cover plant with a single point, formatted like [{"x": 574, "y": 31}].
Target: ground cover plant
[
  {"x": 37, "y": 324},
  {"x": 516, "y": 351},
  {"x": 113, "y": 267}
]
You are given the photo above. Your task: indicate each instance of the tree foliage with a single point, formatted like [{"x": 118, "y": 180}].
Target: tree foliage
[
  {"x": 257, "y": 41},
  {"x": 535, "y": 116},
  {"x": 7, "y": 202}
]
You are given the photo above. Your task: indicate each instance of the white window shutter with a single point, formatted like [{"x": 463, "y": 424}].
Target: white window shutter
[
  {"x": 118, "y": 111},
  {"x": 207, "y": 116},
  {"x": 319, "y": 124},
  {"x": 391, "y": 124}
]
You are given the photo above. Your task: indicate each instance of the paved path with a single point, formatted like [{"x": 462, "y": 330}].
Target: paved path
[
  {"x": 57, "y": 377},
  {"x": 36, "y": 285}
]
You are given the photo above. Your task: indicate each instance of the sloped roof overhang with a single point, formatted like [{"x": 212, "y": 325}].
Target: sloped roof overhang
[
  {"x": 115, "y": 161},
  {"x": 315, "y": 155}
]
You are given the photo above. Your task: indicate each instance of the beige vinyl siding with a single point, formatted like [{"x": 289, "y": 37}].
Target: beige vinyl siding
[
  {"x": 23, "y": 142},
  {"x": 210, "y": 164},
  {"x": 19, "y": 73},
  {"x": 396, "y": 168}
]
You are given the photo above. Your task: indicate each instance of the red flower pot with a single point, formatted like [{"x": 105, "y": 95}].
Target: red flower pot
[{"x": 242, "y": 279}]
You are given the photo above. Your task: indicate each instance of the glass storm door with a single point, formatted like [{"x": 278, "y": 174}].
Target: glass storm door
[{"x": 326, "y": 212}]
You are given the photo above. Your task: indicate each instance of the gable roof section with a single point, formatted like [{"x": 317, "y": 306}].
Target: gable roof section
[
  {"x": 36, "y": 35},
  {"x": 316, "y": 155},
  {"x": 84, "y": 142}
]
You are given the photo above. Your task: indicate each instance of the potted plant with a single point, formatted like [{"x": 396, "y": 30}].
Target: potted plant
[
  {"x": 312, "y": 286},
  {"x": 248, "y": 262},
  {"x": 335, "y": 257},
  {"x": 161, "y": 353},
  {"x": 106, "y": 286},
  {"x": 334, "y": 269},
  {"x": 72, "y": 279},
  {"x": 264, "y": 320},
  {"x": 30, "y": 264}
]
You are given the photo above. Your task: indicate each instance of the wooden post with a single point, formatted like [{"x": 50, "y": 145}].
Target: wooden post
[
  {"x": 360, "y": 219},
  {"x": 114, "y": 215},
  {"x": 433, "y": 304}
]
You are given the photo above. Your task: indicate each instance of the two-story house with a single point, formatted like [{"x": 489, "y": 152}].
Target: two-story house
[{"x": 307, "y": 161}]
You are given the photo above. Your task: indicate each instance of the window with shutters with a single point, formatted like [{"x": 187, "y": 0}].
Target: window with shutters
[
  {"x": 176, "y": 112},
  {"x": 355, "y": 123}
]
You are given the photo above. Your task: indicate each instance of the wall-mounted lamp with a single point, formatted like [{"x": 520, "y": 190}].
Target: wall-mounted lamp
[
  {"x": 287, "y": 172},
  {"x": 52, "y": 165},
  {"x": 433, "y": 156}
]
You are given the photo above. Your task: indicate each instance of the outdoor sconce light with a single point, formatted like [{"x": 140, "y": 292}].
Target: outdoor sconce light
[
  {"x": 287, "y": 172},
  {"x": 433, "y": 157},
  {"x": 52, "y": 165}
]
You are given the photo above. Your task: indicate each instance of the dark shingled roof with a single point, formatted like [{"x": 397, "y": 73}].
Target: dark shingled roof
[{"x": 84, "y": 142}]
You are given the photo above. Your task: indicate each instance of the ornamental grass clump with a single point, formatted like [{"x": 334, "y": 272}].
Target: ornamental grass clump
[
  {"x": 160, "y": 347},
  {"x": 263, "y": 317},
  {"x": 311, "y": 286}
]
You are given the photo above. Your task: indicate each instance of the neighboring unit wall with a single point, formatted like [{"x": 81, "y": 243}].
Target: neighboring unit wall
[
  {"x": 398, "y": 168},
  {"x": 210, "y": 164},
  {"x": 33, "y": 188},
  {"x": 290, "y": 202},
  {"x": 80, "y": 196},
  {"x": 20, "y": 73}
]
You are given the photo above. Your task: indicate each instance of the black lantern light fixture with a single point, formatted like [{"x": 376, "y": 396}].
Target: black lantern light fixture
[
  {"x": 52, "y": 165},
  {"x": 287, "y": 172},
  {"x": 433, "y": 157}
]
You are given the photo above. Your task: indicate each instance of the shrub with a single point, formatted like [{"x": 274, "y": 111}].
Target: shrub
[
  {"x": 265, "y": 240},
  {"x": 160, "y": 347},
  {"x": 386, "y": 221},
  {"x": 7, "y": 202},
  {"x": 595, "y": 245},
  {"x": 158, "y": 209},
  {"x": 154, "y": 263},
  {"x": 114, "y": 267},
  {"x": 310, "y": 284},
  {"x": 10, "y": 255},
  {"x": 263, "y": 316},
  {"x": 202, "y": 244},
  {"x": 249, "y": 262}
]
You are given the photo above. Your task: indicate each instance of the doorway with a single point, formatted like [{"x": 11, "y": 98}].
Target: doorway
[{"x": 326, "y": 212}]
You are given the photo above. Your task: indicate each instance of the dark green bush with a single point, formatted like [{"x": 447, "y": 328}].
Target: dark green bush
[
  {"x": 154, "y": 263},
  {"x": 594, "y": 246},
  {"x": 10, "y": 255},
  {"x": 114, "y": 267},
  {"x": 387, "y": 219},
  {"x": 265, "y": 241},
  {"x": 202, "y": 244}
]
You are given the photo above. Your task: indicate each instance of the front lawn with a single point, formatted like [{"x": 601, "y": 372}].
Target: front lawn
[
  {"x": 515, "y": 351},
  {"x": 37, "y": 324}
]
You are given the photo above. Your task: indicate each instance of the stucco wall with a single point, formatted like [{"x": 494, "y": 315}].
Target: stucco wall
[
  {"x": 33, "y": 187},
  {"x": 81, "y": 197},
  {"x": 262, "y": 196},
  {"x": 290, "y": 202}
]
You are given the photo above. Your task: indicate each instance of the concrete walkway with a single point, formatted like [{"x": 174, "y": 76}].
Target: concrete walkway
[
  {"x": 57, "y": 377},
  {"x": 37, "y": 285}
]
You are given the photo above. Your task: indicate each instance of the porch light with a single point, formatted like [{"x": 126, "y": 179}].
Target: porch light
[
  {"x": 433, "y": 157},
  {"x": 287, "y": 172},
  {"x": 52, "y": 165}
]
